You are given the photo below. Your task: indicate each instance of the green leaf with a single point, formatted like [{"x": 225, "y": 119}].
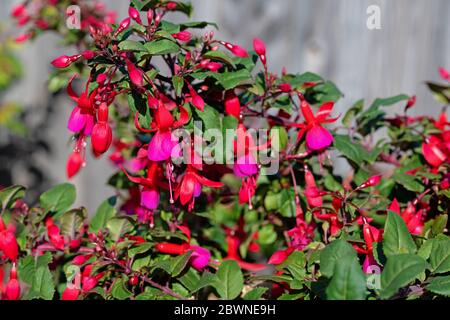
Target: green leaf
[
  {"x": 104, "y": 213},
  {"x": 43, "y": 285},
  {"x": 178, "y": 83},
  {"x": 396, "y": 238},
  {"x": 440, "y": 256},
  {"x": 190, "y": 279},
  {"x": 440, "y": 285},
  {"x": 267, "y": 235},
  {"x": 229, "y": 280},
  {"x": 255, "y": 294},
  {"x": 230, "y": 80},
  {"x": 210, "y": 118},
  {"x": 10, "y": 194},
  {"x": 388, "y": 101},
  {"x": 118, "y": 226},
  {"x": 130, "y": 45},
  {"x": 141, "y": 248},
  {"x": 408, "y": 181},
  {"x": 72, "y": 221},
  {"x": 399, "y": 271},
  {"x": 58, "y": 198},
  {"x": 178, "y": 264},
  {"x": 161, "y": 47},
  {"x": 332, "y": 254},
  {"x": 440, "y": 92},
  {"x": 348, "y": 281},
  {"x": 119, "y": 290},
  {"x": 207, "y": 279},
  {"x": 350, "y": 149}
]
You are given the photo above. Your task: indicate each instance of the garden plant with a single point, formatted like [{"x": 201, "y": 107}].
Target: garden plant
[{"x": 226, "y": 184}]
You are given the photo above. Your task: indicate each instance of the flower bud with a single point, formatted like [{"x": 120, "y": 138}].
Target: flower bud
[
  {"x": 371, "y": 182},
  {"x": 134, "y": 14},
  {"x": 8, "y": 244},
  {"x": 70, "y": 293},
  {"x": 183, "y": 36},
  {"x": 18, "y": 10},
  {"x": 285, "y": 87},
  {"x": 101, "y": 137},
  {"x": 236, "y": 50},
  {"x": 74, "y": 164},
  {"x": 136, "y": 74},
  {"x": 62, "y": 61},
  {"x": 232, "y": 104},
  {"x": 260, "y": 49},
  {"x": 171, "y": 5}
]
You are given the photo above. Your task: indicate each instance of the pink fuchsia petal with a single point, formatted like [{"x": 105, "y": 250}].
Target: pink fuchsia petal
[
  {"x": 200, "y": 257},
  {"x": 197, "y": 189},
  {"x": 370, "y": 264},
  {"x": 89, "y": 125},
  {"x": 149, "y": 198},
  {"x": 161, "y": 146},
  {"x": 245, "y": 166},
  {"x": 318, "y": 138},
  {"x": 77, "y": 120}
]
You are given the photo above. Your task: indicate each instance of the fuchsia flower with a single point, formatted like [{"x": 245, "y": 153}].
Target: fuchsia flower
[
  {"x": 8, "y": 241},
  {"x": 200, "y": 256},
  {"x": 260, "y": 49},
  {"x": 317, "y": 137},
  {"x": 81, "y": 119},
  {"x": 191, "y": 185},
  {"x": 232, "y": 104},
  {"x": 162, "y": 144},
  {"x": 149, "y": 192},
  {"x": 312, "y": 193},
  {"x": 54, "y": 235},
  {"x": 445, "y": 74},
  {"x": 12, "y": 289},
  {"x": 433, "y": 151},
  {"x": 413, "y": 218},
  {"x": 134, "y": 14}
]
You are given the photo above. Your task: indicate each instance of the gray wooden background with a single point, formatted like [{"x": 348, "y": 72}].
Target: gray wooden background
[{"x": 329, "y": 37}]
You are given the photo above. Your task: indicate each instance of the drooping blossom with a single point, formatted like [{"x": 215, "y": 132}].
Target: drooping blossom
[
  {"x": 8, "y": 241},
  {"x": 412, "y": 217},
  {"x": 199, "y": 257}
]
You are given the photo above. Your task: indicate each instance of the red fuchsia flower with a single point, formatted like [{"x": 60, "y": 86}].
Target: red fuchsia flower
[
  {"x": 317, "y": 137},
  {"x": 162, "y": 145},
  {"x": 260, "y": 49},
  {"x": 88, "y": 280},
  {"x": 234, "y": 242},
  {"x": 195, "y": 99},
  {"x": 433, "y": 151},
  {"x": 182, "y": 36},
  {"x": 235, "y": 49},
  {"x": 8, "y": 241},
  {"x": 12, "y": 289},
  {"x": 413, "y": 218},
  {"x": 246, "y": 165},
  {"x": 312, "y": 193},
  {"x": 149, "y": 191},
  {"x": 101, "y": 133},
  {"x": 75, "y": 160},
  {"x": 140, "y": 161},
  {"x": 191, "y": 185},
  {"x": 200, "y": 256},
  {"x": 81, "y": 119},
  {"x": 232, "y": 104},
  {"x": 54, "y": 234},
  {"x": 370, "y": 235},
  {"x": 444, "y": 73}
]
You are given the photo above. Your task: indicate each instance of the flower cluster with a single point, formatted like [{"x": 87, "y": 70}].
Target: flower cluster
[{"x": 175, "y": 229}]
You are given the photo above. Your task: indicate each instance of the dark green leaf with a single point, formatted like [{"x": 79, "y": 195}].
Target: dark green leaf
[
  {"x": 161, "y": 47},
  {"x": 396, "y": 238},
  {"x": 399, "y": 271},
  {"x": 104, "y": 213},
  {"x": 58, "y": 198},
  {"x": 229, "y": 280}
]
